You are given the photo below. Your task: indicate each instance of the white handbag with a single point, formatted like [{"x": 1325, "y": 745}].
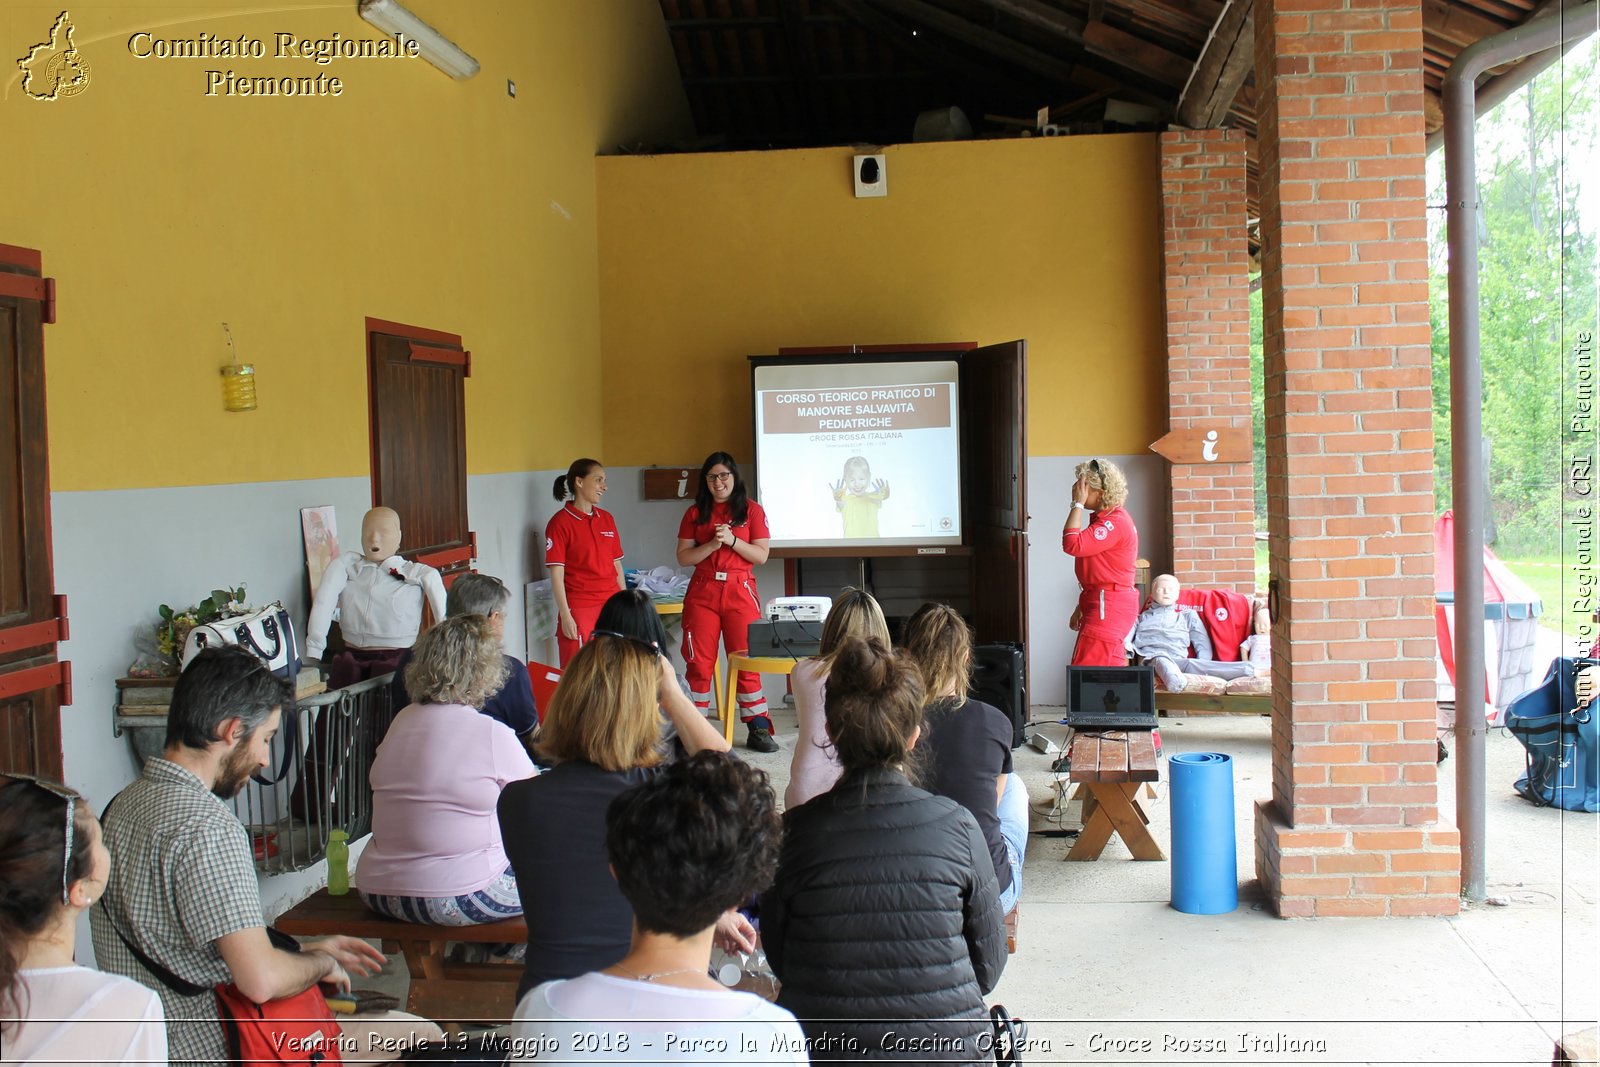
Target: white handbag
[{"x": 266, "y": 632}]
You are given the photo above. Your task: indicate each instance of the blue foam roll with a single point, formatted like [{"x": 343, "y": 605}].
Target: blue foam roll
[{"x": 1205, "y": 870}]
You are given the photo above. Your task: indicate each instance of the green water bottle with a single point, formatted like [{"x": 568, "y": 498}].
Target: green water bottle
[{"x": 338, "y": 863}]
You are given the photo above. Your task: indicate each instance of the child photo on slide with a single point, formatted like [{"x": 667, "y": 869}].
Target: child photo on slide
[{"x": 857, "y": 498}]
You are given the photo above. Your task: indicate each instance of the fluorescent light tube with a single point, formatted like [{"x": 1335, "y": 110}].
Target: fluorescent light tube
[{"x": 432, "y": 45}]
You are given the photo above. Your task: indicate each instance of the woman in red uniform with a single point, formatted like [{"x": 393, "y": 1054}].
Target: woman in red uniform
[
  {"x": 1100, "y": 534},
  {"x": 722, "y": 535},
  {"x": 584, "y": 555}
]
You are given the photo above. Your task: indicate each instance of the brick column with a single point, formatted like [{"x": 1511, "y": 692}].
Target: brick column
[
  {"x": 1352, "y": 827},
  {"x": 1206, "y": 273}
]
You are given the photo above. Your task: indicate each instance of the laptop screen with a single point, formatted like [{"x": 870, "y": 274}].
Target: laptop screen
[{"x": 1112, "y": 690}]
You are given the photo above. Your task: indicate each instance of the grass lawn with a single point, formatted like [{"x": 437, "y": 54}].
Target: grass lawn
[
  {"x": 1550, "y": 577},
  {"x": 1545, "y": 575}
]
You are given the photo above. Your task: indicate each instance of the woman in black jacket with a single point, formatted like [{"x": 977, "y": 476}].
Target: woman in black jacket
[{"x": 884, "y": 922}]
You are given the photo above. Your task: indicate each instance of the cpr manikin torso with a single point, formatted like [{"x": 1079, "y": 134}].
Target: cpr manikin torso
[
  {"x": 1164, "y": 633},
  {"x": 378, "y": 593}
]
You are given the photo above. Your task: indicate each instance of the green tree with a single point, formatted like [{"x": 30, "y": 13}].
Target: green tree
[{"x": 1537, "y": 291}]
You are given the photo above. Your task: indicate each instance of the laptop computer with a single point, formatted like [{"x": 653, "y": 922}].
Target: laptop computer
[{"x": 1111, "y": 698}]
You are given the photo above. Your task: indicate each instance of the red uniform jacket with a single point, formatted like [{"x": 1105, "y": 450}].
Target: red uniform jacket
[{"x": 1106, "y": 551}]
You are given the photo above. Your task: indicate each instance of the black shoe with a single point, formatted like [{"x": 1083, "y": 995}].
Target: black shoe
[{"x": 760, "y": 740}]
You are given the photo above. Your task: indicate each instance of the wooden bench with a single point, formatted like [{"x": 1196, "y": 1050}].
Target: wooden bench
[
  {"x": 1213, "y": 703},
  {"x": 1109, "y": 766},
  {"x": 448, "y": 993}
]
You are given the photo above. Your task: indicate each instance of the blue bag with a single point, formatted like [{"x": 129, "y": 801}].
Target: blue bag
[{"x": 1562, "y": 741}]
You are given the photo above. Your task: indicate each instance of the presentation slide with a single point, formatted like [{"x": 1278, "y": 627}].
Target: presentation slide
[{"x": 859, "y": 454}]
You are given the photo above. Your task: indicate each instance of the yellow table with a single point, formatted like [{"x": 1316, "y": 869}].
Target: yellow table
[{"x": 739, "y": 662}]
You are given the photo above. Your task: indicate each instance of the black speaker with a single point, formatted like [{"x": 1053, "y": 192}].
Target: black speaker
[{"x": 997, "y": 679}]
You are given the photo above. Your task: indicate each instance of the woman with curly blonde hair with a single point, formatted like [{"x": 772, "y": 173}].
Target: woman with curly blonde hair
[
  {"x": 436, "y": 854},
  {"x": 1100, "y": 535}
]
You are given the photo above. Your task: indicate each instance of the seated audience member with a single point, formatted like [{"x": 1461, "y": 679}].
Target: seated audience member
[
  {"x": 511, "y": 703},
  {"x": 1165, "y": 632},
  {"x": 631, "y": 613},
  {"x": 435, "y": 854},
  {"x": 602, "y": 733},
  {"x": 52, "y": 866},
  {"x": 966, "y": 744},
  {"x": 685, "y": 846},
  {"x": 183, "y": 889},
  {"x": 884, "y": 915},
  {"x": 815, "y": 767}
]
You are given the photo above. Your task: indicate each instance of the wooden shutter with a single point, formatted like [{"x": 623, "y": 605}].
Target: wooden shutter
[
  {"x": 34, "y": 684},
  {"x": 418, "y": 410}
]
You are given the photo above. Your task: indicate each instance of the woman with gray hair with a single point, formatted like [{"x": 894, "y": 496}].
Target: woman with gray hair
[
  {"x": 1099, "y": 534},
  {"x": 512, "y": 703},
  {"x": 436, "y": 855}
]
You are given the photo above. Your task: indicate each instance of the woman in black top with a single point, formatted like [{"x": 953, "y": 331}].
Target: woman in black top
[
  {"x": 966, "y": 745},
  {"x": 602, "y": 731},
  {"x": 884, "y": 923}
]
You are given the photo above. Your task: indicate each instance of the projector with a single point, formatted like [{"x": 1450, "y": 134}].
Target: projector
[{"x": 798, "y": 608}]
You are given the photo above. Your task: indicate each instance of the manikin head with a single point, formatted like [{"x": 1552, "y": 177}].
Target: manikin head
[
  {"x": 857, "y": 475},
  {"x": 1164, "y": 590},
  {"x": 380, "y": 534}
]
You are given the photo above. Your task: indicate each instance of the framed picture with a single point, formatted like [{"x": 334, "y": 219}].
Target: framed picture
[{"x": 321, "y": 534}]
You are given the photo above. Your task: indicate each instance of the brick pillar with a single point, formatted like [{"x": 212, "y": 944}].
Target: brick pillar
[
  {"x": 1352, "y": 827},
  {"x": 1206, "y": 272}
]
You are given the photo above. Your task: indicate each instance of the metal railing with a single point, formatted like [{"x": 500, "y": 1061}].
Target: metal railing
[{"x": 318, "y": 779}]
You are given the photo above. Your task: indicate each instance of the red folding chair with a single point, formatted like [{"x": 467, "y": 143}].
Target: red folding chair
[{"x": 544, "y": 679}]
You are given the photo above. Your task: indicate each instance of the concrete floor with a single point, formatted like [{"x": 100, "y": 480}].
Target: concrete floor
[{"x": 1108, "y": 972}]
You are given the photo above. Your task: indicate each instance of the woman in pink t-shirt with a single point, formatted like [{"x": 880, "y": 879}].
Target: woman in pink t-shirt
[{"x": 436, "y": 854}]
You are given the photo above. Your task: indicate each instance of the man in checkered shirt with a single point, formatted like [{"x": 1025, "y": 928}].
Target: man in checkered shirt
[{"x": 183, "y": 886}]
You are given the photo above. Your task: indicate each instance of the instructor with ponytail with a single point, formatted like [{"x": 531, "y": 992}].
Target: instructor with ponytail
[{"x": 583, "y": 553}]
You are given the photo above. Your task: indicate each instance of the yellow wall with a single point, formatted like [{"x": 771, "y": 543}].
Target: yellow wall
[
  {"x": 163, "y": 213},
  {"x": 706, "y": 259}
]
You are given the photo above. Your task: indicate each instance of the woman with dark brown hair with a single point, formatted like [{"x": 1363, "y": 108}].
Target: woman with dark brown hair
[
  {"x": 52, "y": 867},
  {"x": 885, "y": 883}
]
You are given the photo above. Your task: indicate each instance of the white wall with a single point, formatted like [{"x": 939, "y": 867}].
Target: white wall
[{"x": 1052, "y": 588}]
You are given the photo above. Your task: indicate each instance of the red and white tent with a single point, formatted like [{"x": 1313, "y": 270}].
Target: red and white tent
[{"x": 1511, "y": 613}]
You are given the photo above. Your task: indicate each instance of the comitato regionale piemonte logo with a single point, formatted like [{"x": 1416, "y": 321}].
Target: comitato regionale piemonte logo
[{"x": 54, "y": 69}]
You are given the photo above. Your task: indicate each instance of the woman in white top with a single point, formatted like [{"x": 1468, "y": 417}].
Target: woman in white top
[
  {"x": 816, "y": 766},
  {"x": 52, "y": 866},
  {"x": 690, "y": 843}
]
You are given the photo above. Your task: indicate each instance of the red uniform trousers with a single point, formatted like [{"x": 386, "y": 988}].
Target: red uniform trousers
[
  {"x": 1108, "y": 616},
  {"x": 584, "y": 613},
  {"x": 721, "y": 610}
]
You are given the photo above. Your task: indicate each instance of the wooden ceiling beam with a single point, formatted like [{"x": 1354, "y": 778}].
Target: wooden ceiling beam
[
  {"x": 1136, "y": 54},
  {"x": 1458, "y": 25},
  {"x": 798, "y": 49},
  {"x": 1121, "y": 50},
  {"x": 925, "y": 50},
  {"x": 1043, "y": 16},
  {"x": 982, "y": 38},
  {"x": 1221, "y": 70}
]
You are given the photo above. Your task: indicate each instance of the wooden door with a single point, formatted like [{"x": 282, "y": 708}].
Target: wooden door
[
  {"x": 995, "y": 479},
  {"x": 418, "y": 408},
  {"x": 33, "y": 683}
]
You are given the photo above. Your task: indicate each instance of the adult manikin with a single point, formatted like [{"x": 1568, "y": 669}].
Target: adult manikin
[{"x": 379, "y": 595}]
